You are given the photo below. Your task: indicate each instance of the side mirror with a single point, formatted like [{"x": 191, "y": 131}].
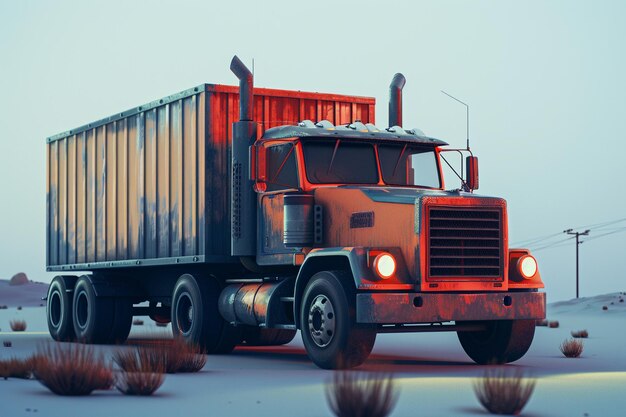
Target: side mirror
[
  {"x": 258, "y": 166},
  {"x": 471, "y": 172}
]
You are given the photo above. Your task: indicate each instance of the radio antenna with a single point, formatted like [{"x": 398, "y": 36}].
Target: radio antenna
[{"x": 466, "y": 115}]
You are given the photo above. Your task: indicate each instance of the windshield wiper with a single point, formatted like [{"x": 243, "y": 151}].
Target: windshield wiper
[
  {"x": 333, "y": 158},
  {"x": 393, "y": 174}
]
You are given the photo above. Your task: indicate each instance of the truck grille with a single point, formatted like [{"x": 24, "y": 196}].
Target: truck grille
[{"x": 465, "y": 243}]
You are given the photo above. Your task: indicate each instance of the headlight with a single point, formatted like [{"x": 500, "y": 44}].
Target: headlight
[
  {"x": 527, "y": 266},
  {"x": 385, "y": 265}
]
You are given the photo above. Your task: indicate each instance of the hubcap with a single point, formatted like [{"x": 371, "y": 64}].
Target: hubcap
[
  {"x": 322, "y": 321},
  {"x": 184, "y": 313}
]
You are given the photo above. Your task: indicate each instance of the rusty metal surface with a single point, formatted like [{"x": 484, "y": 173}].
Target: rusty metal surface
[
  {"x": 149, "y": 185},
  {"x": 442, "y": 307}
]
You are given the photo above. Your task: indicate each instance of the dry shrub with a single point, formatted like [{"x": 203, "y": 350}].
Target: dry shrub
[
  {"x": 553, "y": 324},
  {"x": 542, "y": 323},
  {"x": 172, "y": 356},
  {"x": 142, "y": 371},
  {"x": 16, "y": 368},
  {"x": 72, "y": 370},
  {"x": 572, "y": 348},
  {"x": 7, "y": 343},
  {"x": 580, "y": 334},
  {"x": 605, "y": 308},
  {"x": 137, "y": 322},
  {"x": 356, "y": 394},
  {"x": 159, "y": 324},
  {"x": 502, "y": 392},
  {"x": 139, "y": 383},
  {"x": 18, "y": 325}
]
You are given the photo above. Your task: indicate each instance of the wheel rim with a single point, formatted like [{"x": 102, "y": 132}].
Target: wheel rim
[
  {"x": 82, "y": 310},
  {"x": 184, "y": 313},
  {"x": 322, "y": 321},
  {"x": 55, "y": 309}
]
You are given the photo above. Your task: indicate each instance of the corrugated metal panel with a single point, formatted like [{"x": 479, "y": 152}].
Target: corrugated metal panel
[{"x": 152, "y": 182}]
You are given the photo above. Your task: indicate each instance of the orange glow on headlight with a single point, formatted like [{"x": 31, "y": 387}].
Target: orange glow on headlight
[
  {"x": 527, "y": 266},
  {"x": 385, "y": 265}
]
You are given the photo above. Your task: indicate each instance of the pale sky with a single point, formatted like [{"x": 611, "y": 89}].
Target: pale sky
[{"x": 545, "y": 80}]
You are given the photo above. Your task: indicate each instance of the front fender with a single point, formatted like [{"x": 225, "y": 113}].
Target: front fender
[{"x": 354, "y": 260}]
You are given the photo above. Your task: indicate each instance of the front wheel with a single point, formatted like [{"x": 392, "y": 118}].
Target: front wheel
[
  {"x": 503, "y": 341},
  {"x": 327, "y": 320}
]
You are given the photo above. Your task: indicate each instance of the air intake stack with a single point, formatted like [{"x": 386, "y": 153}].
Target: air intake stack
[
  {"x": 395, "y": 100},
  {"x": 243, "y": 198}
]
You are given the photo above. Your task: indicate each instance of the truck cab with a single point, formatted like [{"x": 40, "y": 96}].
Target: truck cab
[{"x": 365, "y": 209}]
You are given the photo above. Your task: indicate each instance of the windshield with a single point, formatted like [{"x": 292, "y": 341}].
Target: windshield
[
  {"x": 404, "y": 164},
  {"x": 338, "y": 161},
  {"x": 348, "y": 162}
]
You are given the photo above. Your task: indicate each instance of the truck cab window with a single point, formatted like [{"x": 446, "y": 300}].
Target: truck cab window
[
  {"x": 409, "y": 165},
  {"x": 340, "y": 162},
  {"x": 282, "y": 172}
]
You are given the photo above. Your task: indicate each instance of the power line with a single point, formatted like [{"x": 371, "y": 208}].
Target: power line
[{"x": 539, "y": 239}]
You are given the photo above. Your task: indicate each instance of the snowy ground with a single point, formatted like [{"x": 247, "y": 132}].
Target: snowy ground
[{"x": 433, "y": 373}]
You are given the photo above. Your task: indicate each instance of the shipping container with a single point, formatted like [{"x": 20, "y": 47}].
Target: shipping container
[{"x": 149, "y": 186}]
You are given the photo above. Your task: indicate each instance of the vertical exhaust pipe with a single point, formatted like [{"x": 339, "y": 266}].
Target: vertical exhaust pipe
[
  {"x": 395, "y": 100},
  {"x": 246, "y": 84},
  {"x": 243, "y": 203}
]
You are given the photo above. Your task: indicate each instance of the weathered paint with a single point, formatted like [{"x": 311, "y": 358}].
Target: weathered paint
[
  {"x": 151, "y": 183},
  {"x": 440, "y": 307}
]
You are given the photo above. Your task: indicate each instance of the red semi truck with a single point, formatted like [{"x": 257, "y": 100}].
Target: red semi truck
[{"x": 231, "y": 213}]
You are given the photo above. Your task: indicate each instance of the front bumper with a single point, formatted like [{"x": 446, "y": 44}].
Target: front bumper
[{"x": 414, "y": 308}]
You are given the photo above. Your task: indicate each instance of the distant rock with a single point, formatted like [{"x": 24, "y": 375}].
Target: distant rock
[{"x": 19, "y": 279}]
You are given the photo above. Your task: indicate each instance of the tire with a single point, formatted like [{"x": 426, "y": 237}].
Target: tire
[
  {"x": 93, "y": 317},
  {"x": 327, "y": 318},
  {"x": 122, "y": 320},
  {"x": 195, "y": 316},
  {"x": 59, "y": 308},
  {"x": 255, "y": 336},
  {"x": 504, "y": 341}
]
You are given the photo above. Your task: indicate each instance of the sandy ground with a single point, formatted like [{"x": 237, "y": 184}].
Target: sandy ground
[{"x": 433, "y": 374}]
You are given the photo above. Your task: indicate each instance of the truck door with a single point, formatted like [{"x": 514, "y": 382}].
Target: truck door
[{"x": 281, "y": 177}]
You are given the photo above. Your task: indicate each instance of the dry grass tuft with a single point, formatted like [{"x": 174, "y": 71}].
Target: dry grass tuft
[
  {"x": 3, "y": 307},
  {"x": 542, "y": 323},
  {"x": 553, "y": 324},
  {"x": 7, "y": 343},
  {"x": 356, "y": 394},
  {"x": 159, "y": 324},
  {"x": 137, "y": 322},
  {"x": 16, "y": 368},
  {"x": 572, "y": 348},
  {"x": 18, "y": 325},
  {"x": 172, "y": 356},
  {"x": 139, "y": 383},
  {"x": 72, "y": 370},
  {"x": 502, "y": 392},
  {"x": 583, "y": 334},
  {"x": 142, "y": 371},
  {"x": 605, "y": 308}
]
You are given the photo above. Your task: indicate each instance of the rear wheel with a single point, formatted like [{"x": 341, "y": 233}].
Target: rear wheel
[
  {"x": 327, "y": 320},
  {"x": 122, "y": 320},
  {"x": 59, "y": 308},
  {"x": 195, "y": 315},
  {"x": 503, "y": 341},
  {"x": 93, "y": 317}
]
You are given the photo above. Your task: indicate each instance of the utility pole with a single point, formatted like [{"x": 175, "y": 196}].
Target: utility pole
[{"x": 578, "y": 243}]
